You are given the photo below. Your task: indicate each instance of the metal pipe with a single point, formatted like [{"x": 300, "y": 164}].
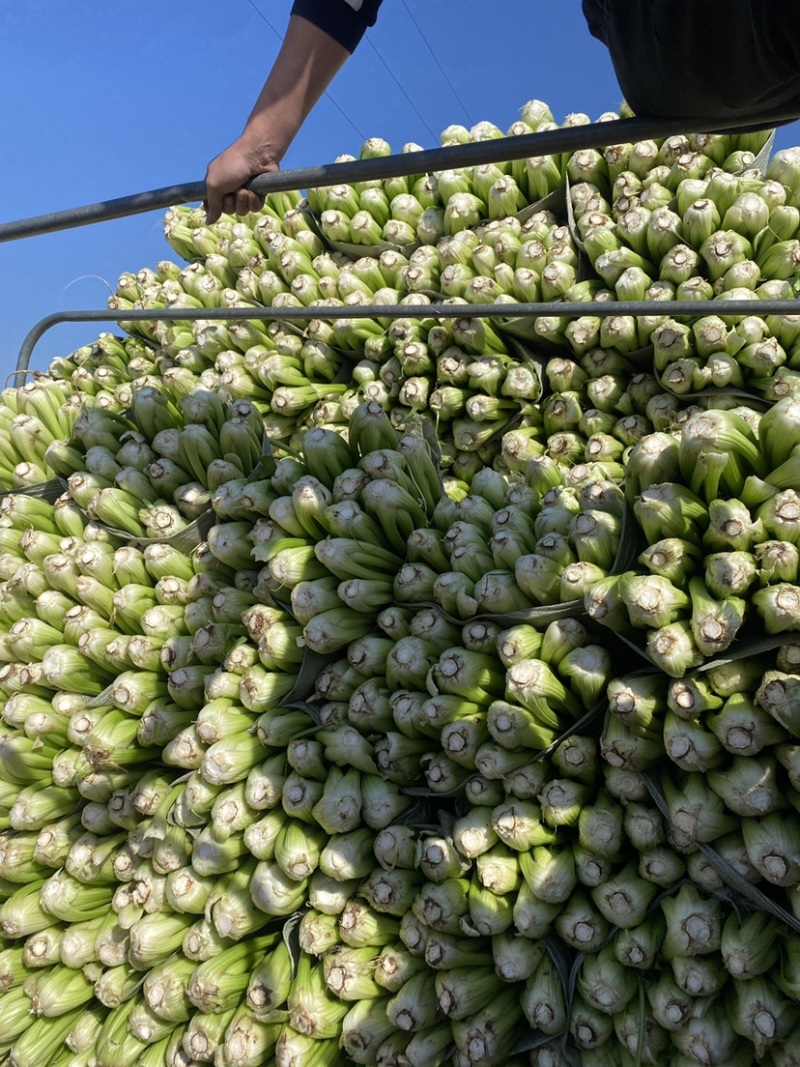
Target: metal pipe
[
  {"x": 684, "y": 308},
  {"x": 550, "y": 142}
]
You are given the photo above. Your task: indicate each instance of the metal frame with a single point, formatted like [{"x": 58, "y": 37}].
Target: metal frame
[
  {"x": 602, "y": 309},
  {"x": 550, "y": 142}
]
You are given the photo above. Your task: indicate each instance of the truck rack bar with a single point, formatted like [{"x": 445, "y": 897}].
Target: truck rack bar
[
  {"x": 603, "y": 309},
  {"x": 476, "y": 153}
]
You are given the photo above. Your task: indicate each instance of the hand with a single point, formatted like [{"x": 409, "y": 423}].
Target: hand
[
  {"x": 306, "y": 64},
  {"x": 226, "y": 176}
]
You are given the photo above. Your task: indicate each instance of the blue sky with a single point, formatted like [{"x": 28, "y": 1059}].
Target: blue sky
[{"x": 102, "y": 100}]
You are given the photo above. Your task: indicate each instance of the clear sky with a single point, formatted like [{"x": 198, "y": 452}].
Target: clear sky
[{"x": 103, "y": 100}]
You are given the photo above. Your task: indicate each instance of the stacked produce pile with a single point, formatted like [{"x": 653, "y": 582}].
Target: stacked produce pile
[{"x": 409, "y": 691}]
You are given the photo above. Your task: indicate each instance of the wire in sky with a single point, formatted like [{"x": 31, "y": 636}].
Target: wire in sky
[
  {"x": 399, "y": 85},
  {"x": 341, "y": 111},
  {"x": 438, "y": 64}
]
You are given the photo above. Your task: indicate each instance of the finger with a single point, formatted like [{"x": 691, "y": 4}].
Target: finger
[
  {"x": 242, "y": 202},
  {"x": 229, "y": 204},
  {"x": 255, "y": 201}
]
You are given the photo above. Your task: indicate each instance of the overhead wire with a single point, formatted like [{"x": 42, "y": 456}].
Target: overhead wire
[
  {"x": 399, "y": 85},
  {"x": 388, "y": 69},
  {"x": 435, "y": 59},
  {"x": 327, "y": 94}
]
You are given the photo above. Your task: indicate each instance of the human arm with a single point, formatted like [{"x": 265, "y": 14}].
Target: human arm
[{"x": 319, "y": 39}]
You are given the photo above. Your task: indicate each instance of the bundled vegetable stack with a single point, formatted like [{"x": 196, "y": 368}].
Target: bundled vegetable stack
[{"x": 414, "y": 691}]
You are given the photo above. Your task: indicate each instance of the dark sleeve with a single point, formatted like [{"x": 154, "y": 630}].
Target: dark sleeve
[
  {"x": 338, "y": 19},
  {"x": 716, "y": 59},
  {"x": 595, "y": 14}
]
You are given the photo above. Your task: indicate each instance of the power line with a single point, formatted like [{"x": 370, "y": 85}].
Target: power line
[
  {"x": 327, "y": 95},
  {"x": 438, "y": 64},
  {"x": 400, "y": 87}
]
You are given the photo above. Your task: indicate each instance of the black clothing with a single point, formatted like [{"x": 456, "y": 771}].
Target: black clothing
[
  {"x": 339, "y": 19},
  {"x": 673, "y": 58},
  {"x": 703, "y": 58}
]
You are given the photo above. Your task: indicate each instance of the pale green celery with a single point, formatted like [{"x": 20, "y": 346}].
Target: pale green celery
[
  {"x": 36, "y": 807},
  {"x": 273, "y": 892},
  {"x": 220, "y": 716},
  {"x": 260, "y": 837},
  {"x": 494, "y": 762},
  {"x": 391, "y": 892},
  {"x": 591, "y": 1030},
  {"x": 710, "y": 1030},
  {"x": 365, "y": 1028},
  {"x": 549, "y": 871},
  {"x": 604, "y": 983},
  {"x": 696, "y": 814},
  {"x": 638, "y": 701},
  {"x": 348, "y": 973},
  {"x": 542, "y": 1000},
  {"x": 701, "y": 975},
  {"x": 777, "y": 561},
  {"x": 749, "y": 946},
  {"x": 328, "y": 896},
  {"x": 196, "y": 798},
  {"x": 690, "y": 745},
  {"x": 521, "y": 642},
  {"x": 202, "y": 942},
  {"x": 672, "y": 1006},
  {"x": 345, "y": 747},
  {"x": 90, "y": 859},
  {"x": 58, "y": 991},
  {"x": 624, "y": 900},
  {"x": 110, "y": 742},
  {"x": 270, "y": 982},
  {"x": 770, "y": 843},
  {"x": 218, "y": 984},
  {"x": 317, "y": 932},
  {"x": 231, "y": 759},
  {"x": 497, "y": 870},
  {"x": 16, "y": 1014},
  {"x": 523, "y": 783},
  {"x": 588, "y": 670},
  {"x": 562, "y": 801},
  {"x": 637, "y": 1031},
  {"x": 313, "y": 1011},
  {"x": 732, "y": 573},
  {"x": 297, "y": 849},
  {"x": 65, "y": 668},
  {"x": 538, "y": 689},
  {"x": 203, "y": 1035},
  {"x": 211, "y": 857},
  {"x": 442, "y": 905},
  {"x": 694, "y": 923},
  {"x": 55, "y": 840},
  {"x": 247, "y": 1040},
  {"x": 382, "y": 801},
  {"x": 85, "y": 1031},
  {"x": 41, "y": 1040},
  {"x": 777, "y": 606},
  {"x": 146, "y": 1026},
  {"x": 187, "y": 892},
  {"x": 305, "y": 757},
  {"x": 40, "y": 950},
  {"x": 672, "y": 648},
  {"x": 743, "y": 727}
]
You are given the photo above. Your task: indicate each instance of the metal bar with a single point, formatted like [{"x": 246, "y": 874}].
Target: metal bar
[
  {"x": 550, "y": 142},
  {"x": 604, "y": 309}
]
